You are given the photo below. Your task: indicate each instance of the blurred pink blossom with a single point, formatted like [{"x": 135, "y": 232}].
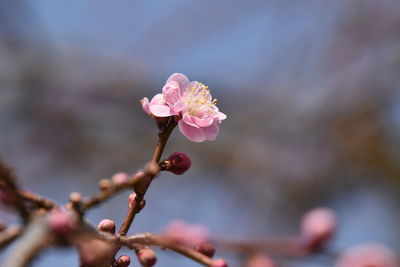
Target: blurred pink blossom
[
  {"x": 317, "y": 226},
  {"x": 62, "y": 221},
  {"x": 260, "y": 260},
  {"x": 366, "y": 255},
  {"x": 192, "y": 101},
  {"x": 180, "y": 232}
]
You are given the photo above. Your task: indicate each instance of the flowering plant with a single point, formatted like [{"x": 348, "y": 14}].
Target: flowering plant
[
  {"x": 191, "y": 106},
  {"x": 191, "y": 103}
]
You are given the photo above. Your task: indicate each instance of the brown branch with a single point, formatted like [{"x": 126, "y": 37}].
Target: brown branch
[
  {"x": 151, "y": 171},
  {"x": 140, "y": 188},
  {"x": 36, "y": 238},
  {"x": 8, "y": 235},
  {"x": 106, "y": 194},
  {"x": 37, "y": 200},
  {"x": 9, "y": 186},
  {"x": 148, "y": 239},
  {"x": 278, "y": 246},
  {"x": 162, "y": 140}
]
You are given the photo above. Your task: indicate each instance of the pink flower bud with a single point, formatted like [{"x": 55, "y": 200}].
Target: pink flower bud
[
  {"x": 260, "y": 260},
  {"x": 142, "y": 182},
  {"x": 132, "y": 202},
  {"x": 206, "y": 249},
  {"x": 62, "y": 222},
  {"x": 138, "y": 174},
  {"x": 179, "y": 163},
  {"x": 152, "y": 168},
  {"x": 196, "y": 234},
  {"x": 146, "y": 257},
  {"x": 106, "y": 225},
  {"x": 176, "y": 231},
  {"x": 94, "y": 253},
  {"x": 219, "y": 263},
  {"x": 105, "y": 184},
  {"x": 367, "y": 255},
  {"x": 180, "y": 232},
  {"x": 123, "y": 261},
  {"x": 75, "y": 197},
  {"x": 120, "y": 178},
  {"x": 317, "y": 226}
]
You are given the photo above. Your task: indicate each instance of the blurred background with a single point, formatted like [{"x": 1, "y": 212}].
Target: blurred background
[{"x": 311, "y": 90}]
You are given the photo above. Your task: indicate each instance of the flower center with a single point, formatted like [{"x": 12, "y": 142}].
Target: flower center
[{"x": 199, "y": 101}]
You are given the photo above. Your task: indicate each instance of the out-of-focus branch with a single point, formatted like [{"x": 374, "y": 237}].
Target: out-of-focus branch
[
  {"x": 278, "y": 246},
  {"x": 37, "y": 236},
  {"x": 8, "y": 235},
  {"x": 9, "y": 186},
  {"x": 37, "y": 200}
]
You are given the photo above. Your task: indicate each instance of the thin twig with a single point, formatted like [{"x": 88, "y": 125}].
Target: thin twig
[
  {"x": 9, "y": 185},
  {"x": 148, "y": 178},
  {"x": 148, "y": 239},
  {"x": 37, "y": 200},
  {"x": 106, "y": 194}
]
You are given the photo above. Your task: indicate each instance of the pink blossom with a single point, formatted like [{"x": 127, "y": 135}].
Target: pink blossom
[
  {"x": 190, "y": 235},
  {"x": 317, "y": 226},
  {"x": 260, "y": 260},
  {"x": 366, "y": 255},
  {"x": 192, "y": 102}
]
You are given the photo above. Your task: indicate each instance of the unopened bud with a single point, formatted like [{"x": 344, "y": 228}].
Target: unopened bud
[
  {"x": 219, "y": 263},
  {"x": 138, "y": 175},
  {"x": 177, "y": 163},
  {"x": 75, "y": 197},
  {"x": 132, "y": 202},
  {"x": 205, "y": 249},
  {"x": 105, "y": 184},
  {"x": 142, "y": 182},
  {"x": 146, "y": 257},
  {"x": 62, "y": 222},
  {"x": 260, "y": 260},
  {"x": 94, "y": 252},
  {"x": 367, "y": 255},
  {"x": 152, "y": 168},
  {"x": 120, "y": 178},
  {"x": 180, "y": 232},
  {"x": 106, "y": 225},
  {"x": 123, "y": 261},
  {"x": 317, "y": 226}
]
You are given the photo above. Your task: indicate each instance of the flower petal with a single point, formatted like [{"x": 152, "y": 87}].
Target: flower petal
[
  {"x": 211, "y": 131},
  {"x": 192, "y": 133},
  {"x": 189, "y": 120},
  {"x": 202, "y": 122},
  {"x": 145, "y": 105},
  {"x": 171, "y": 92},
  {"x": 179, "y": 106},
  {"x": 160, "y": 110},
  {"x": 158, "y": 99},
  {"x": 181, "y": 79},
  {"x": 221, "y": 116}
]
